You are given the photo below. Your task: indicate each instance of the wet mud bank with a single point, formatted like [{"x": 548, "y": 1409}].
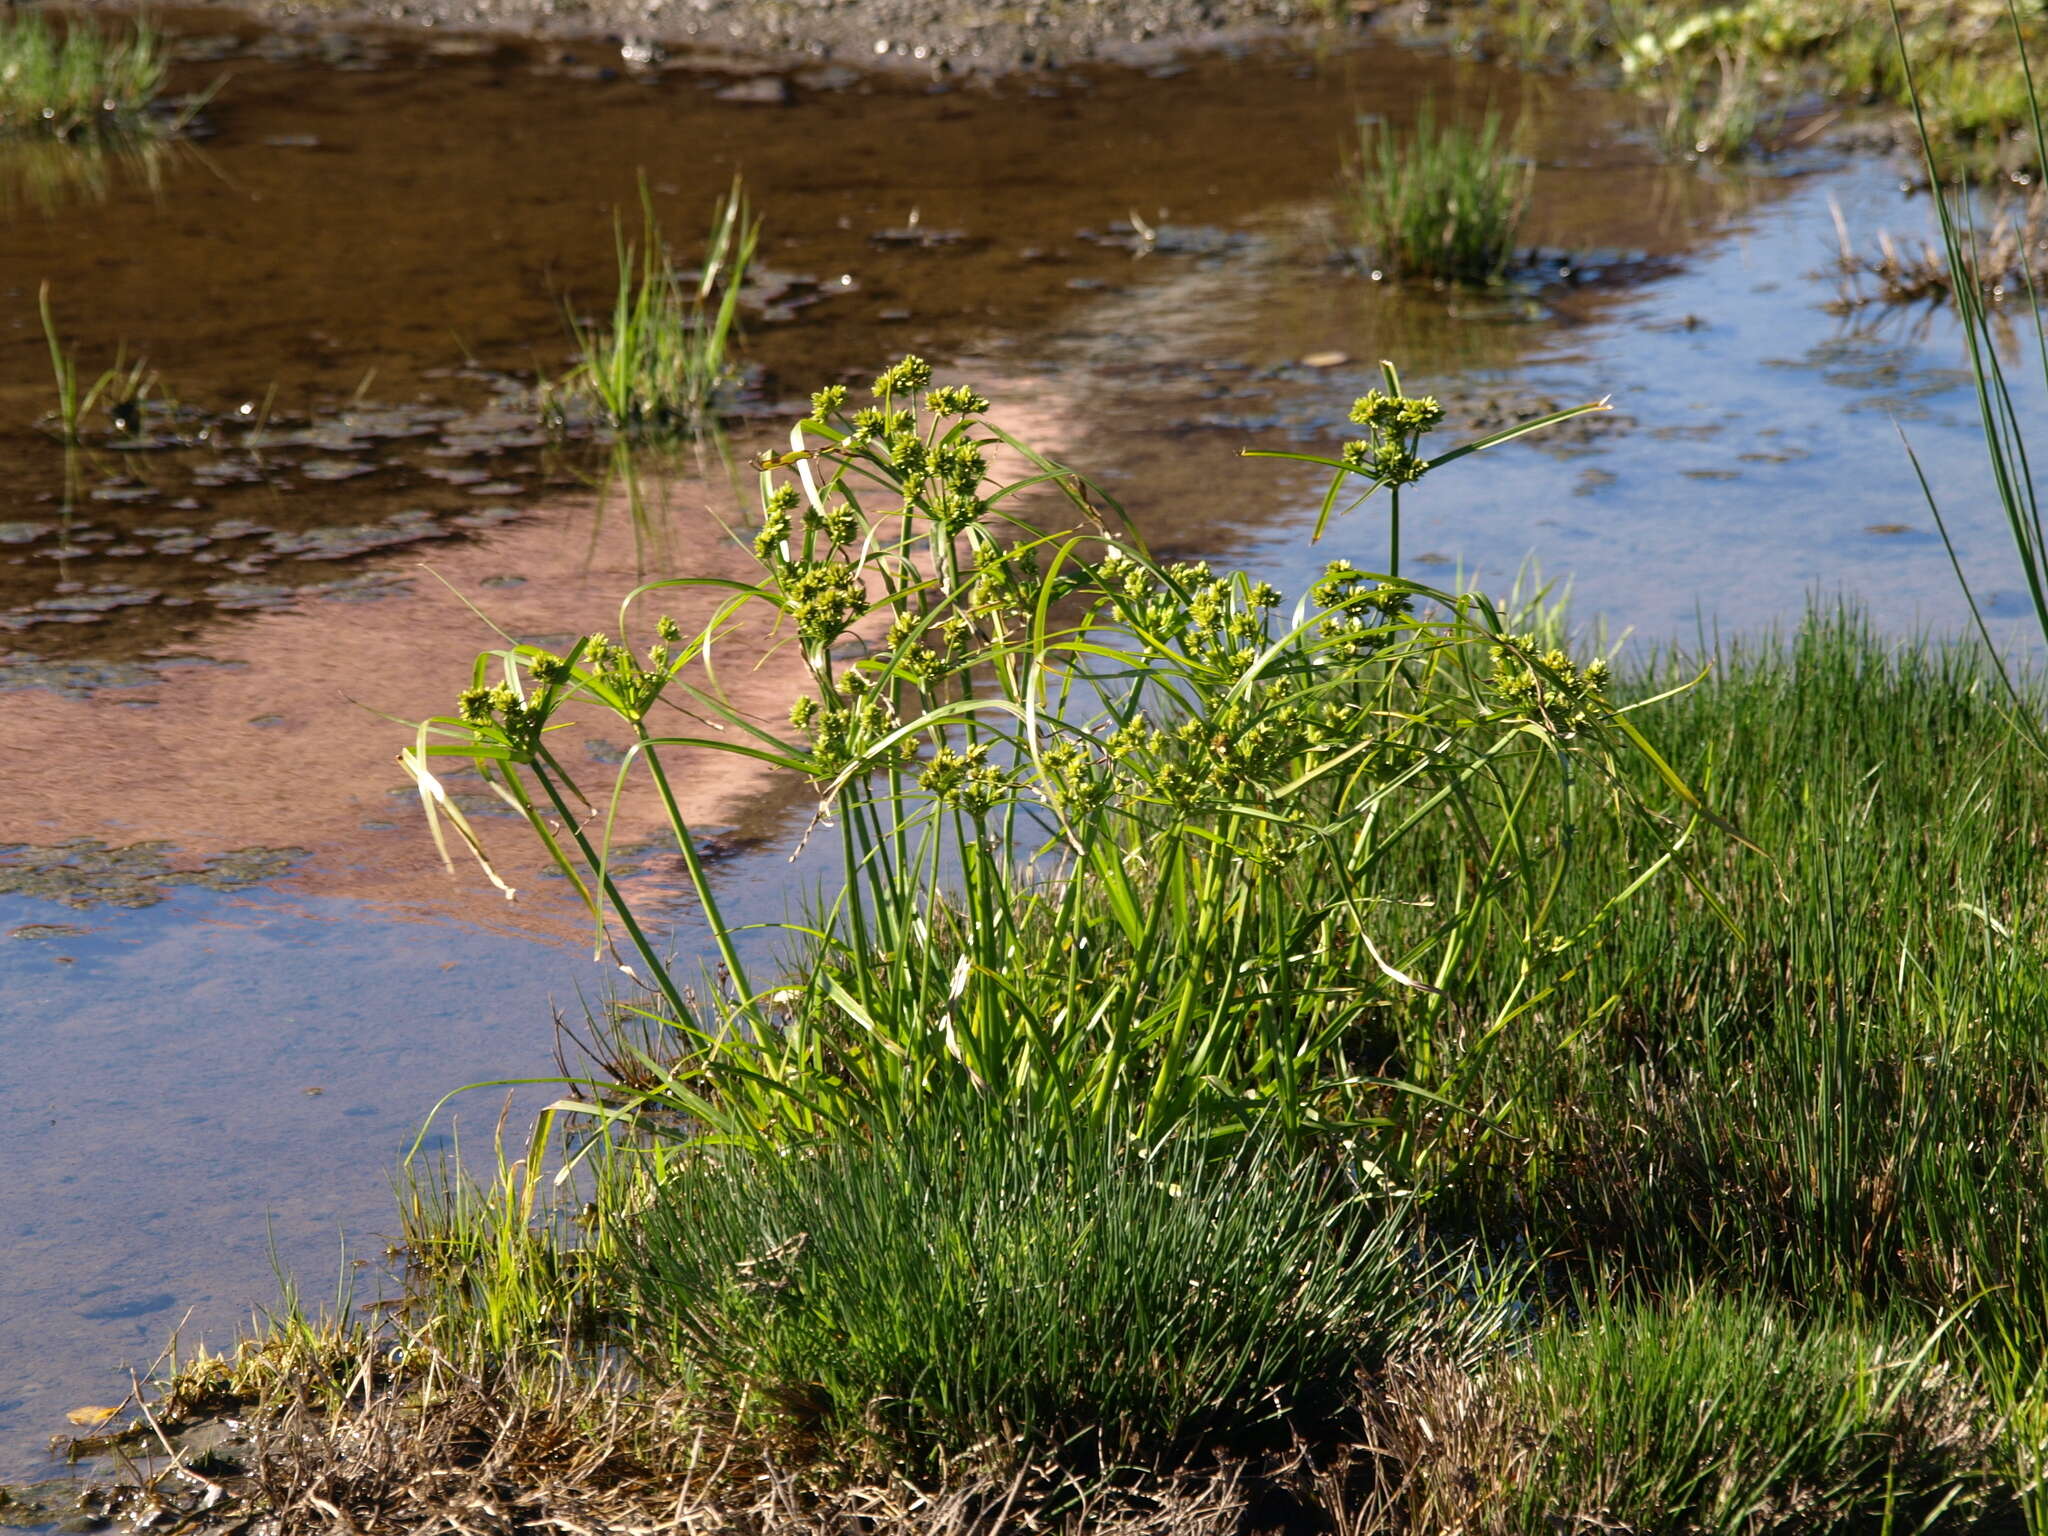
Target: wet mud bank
[{"x": 916, "y": 39}]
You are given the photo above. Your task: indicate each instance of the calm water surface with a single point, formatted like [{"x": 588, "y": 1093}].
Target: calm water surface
[{"x": 232, "y": 976}]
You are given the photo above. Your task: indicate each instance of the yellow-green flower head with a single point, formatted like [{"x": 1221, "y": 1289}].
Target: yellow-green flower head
[
  {"x": 1380, "y": 412},
  {"x": 824, "y": 599},
  {"x": 904, "y": 378},
  {"x": 826, "y": 401},
  {"x": 962, "y": 466},
  {"x": 1128, "y": 739},
  {"x": 1396, "y": 464},
  {"x": 955, "y": 400},
  {"x": 907, "y": 451},
  {"x": 840, "y": 523},
  {"x": 668, "y": 630},
  {"x": 774, "y": 529},
  {"x": 1340, "y": 580},
  {"x": 783, "y": 499},
  {"x": 1548, "y": 685},
  {"x": 1420, "y": 415},
  {"x": 956, "y": 511},
  {"x": 1124, "y": 577},
  {"x": 1396, "y": 415}
]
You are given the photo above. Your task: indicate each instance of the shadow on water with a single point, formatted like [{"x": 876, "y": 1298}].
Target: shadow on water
[{"x": 217, "y": 886}]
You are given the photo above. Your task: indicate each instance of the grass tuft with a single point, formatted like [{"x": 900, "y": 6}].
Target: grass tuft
[
  {"x": 1704, "y": 1413},
  {"x": 1437, "y": 202},
  {"x": 983, "y": 1282},
  {"x": 76, "y": 81},
  {"x": 656, "y": 369}
]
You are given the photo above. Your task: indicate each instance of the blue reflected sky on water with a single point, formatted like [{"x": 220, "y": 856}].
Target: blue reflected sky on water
[
  {"x": 160, "y": 1122},
  {"x": 1752, "y": 457}
]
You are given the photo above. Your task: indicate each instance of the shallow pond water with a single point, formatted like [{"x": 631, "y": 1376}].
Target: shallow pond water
[{"x": 215, "y": 893}]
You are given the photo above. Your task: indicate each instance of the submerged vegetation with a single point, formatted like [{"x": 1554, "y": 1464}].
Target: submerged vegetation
[
  {"x": 1996, "y": 256},
  {"x": 1438, "y": 201},
  {"x": 656, "y": 369},
  {"x": 76, "y": 80}
]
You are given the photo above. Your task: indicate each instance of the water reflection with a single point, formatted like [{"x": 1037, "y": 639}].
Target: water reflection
[{"x": 44, "y": 176}]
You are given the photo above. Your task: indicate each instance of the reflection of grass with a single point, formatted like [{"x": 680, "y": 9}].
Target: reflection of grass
[
  {"x": 43, "y": 175},
  {"x": 76, "y": 81},
  {"x": 1714, "y": 71},
  {"x": 656, "y": 368},
  {"x": 643, "y": 473},
  {"x": 1439, "y": 201}
]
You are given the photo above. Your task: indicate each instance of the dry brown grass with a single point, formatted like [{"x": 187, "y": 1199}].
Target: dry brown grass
[
  {"x": 450, "y": 1455},
  {"x": 1905, "y": 272}
]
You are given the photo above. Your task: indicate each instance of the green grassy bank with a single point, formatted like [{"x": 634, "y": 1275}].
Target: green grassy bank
[{"x": 1723, "y": 77}]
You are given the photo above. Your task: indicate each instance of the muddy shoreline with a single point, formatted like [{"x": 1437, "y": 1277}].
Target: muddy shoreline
[{"x": 937, "y": 39}]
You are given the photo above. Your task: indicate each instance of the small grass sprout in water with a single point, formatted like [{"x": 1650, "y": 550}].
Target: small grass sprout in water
[
  {"x": 1438, "y": 202},
  {"x": 120, "y": 389},
  {"x": 656, "y": 369},
  {"x": 76, "y": 80}
]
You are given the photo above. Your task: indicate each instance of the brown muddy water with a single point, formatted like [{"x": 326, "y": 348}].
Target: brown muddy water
[{"x": 233, "y": 978}]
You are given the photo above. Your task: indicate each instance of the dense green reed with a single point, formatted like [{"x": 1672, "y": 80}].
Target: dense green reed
[
  {"x": 1437, "y": 201},
  {"x": 655, "y": 370},
  {"x": 76, "y": 79}
]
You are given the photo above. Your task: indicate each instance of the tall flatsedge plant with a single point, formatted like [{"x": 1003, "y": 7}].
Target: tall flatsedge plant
[{"x": 1118, "y": 837}]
